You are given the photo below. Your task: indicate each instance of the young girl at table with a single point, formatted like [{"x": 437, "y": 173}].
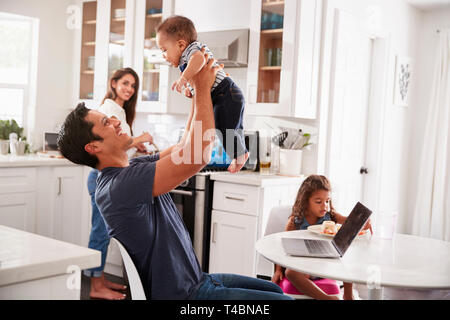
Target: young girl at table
[{"x": 312, "y": 207}]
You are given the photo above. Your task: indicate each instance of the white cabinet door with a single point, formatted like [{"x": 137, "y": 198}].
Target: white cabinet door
[
  {"x": 17, "y": 210},
  {"x": 67, "y": 208},
  {"x": 286, "y": 86},
  {"x": 148, "y": 60},
  {"x": 18, "y": 198},
  {"x": 232, "y": 245},
  {"x": 307, "y": 58},
  {"x": 269, "y": 82}
]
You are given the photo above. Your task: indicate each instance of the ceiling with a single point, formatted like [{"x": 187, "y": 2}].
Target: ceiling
[{"x": 429, "y": 4}]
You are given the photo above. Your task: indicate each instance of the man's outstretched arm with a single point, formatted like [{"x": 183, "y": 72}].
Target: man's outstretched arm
[{"x": 188, "y": 159}]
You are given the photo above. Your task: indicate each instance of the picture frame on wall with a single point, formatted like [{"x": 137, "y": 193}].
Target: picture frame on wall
[{"x": 402, "y": 85}]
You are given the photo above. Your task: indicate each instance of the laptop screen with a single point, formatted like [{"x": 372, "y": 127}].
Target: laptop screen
[{"x": 351, "y": 227}]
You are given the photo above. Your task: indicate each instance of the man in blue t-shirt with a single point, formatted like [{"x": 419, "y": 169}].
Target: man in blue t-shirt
[{"x": 132, "y": 196}]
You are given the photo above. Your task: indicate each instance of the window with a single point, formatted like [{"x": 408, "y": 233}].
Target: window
[{"x": 16, "y": 56}]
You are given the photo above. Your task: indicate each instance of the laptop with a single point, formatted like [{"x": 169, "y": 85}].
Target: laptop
[{"x": 334, "y": 248}]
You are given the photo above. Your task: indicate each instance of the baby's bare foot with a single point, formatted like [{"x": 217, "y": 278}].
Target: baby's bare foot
[{"x": 237, "y": 164}]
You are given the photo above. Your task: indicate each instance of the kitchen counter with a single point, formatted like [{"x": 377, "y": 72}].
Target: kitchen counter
[
  {"x": 37, "y": 267},
  {"x": 256, "y": 179},
  {"x": 31, "y": 160}
]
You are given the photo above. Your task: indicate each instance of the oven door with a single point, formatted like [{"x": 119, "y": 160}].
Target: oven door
[{"x": 184, "y": 200}]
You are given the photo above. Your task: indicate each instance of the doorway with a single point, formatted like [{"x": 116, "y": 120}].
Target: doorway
[{"x": 357, "y": 91}]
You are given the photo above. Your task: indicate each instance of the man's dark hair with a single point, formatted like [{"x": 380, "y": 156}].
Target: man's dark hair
[{"x": 75, "y": 133}]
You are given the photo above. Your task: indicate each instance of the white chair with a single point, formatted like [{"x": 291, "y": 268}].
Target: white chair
[
  {"x": 276, "y": 222},
  {"x": 136, "y": 288}
]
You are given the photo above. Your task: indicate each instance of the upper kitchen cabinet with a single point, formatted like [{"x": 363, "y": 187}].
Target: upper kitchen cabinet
[
  {"x": 120, "y": 33},
  {"x": 148, "y": 60},
  {"x": 105, "y": 41},
  {"x": 87, "y": 54},
  {"x": 284, "y": 52},
  {"x": 117, "y": 34}
]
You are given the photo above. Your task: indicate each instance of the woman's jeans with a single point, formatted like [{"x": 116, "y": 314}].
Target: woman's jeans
[
  {"x": 223, "y": 286},
  {"x": 99, "y": 238}
]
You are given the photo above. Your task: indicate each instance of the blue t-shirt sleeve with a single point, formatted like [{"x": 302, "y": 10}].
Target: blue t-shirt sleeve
[{"x": 134, "y": 185}]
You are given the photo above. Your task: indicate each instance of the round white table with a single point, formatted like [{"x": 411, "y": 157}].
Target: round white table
[{"x": 405, "y": 261}]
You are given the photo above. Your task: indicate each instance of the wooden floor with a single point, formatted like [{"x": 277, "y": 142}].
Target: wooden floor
[{"x": 388, "y": 293}]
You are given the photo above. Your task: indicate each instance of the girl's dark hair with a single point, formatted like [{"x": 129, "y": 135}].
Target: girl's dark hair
[
  {"x": 310, "y": 185},
  {"x": 75, "y": 133},
  {"x": 178, "y": 27},
  {"x": 130, "y": 105}
]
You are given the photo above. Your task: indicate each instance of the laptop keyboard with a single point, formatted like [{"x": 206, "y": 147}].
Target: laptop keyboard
[{"x": 317, "y": 247}]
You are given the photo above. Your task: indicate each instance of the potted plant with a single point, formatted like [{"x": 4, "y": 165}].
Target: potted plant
[{"x": 6, "y": 128}]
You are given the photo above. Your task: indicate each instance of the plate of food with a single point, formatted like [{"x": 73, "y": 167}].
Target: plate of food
[{"x": 329, "y": 229}]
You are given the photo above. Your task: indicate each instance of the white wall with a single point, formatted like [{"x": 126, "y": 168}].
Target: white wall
[
  {"x": 427, "y": 38},
  {"x": 54, "y": 69}
]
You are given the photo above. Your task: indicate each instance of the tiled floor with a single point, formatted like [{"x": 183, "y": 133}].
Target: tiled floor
[{"x": 388, "y": 293}]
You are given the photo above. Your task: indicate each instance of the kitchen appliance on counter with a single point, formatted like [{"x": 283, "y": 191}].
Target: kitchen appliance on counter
[
  {"x": 193, "y": 198},
  {"x": 50, "y": 147}
]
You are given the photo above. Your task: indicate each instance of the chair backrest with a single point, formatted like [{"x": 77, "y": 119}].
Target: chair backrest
[
  {"x": 278, "y": 218},
  {"x": 136, "y": 288}
]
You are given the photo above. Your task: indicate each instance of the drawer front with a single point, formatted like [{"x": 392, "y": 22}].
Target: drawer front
[
  {"x": 237, "y": 198},
  {"x": 14, "y": 180}
]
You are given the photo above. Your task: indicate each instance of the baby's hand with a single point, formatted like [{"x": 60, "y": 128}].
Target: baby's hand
[
  {"x": 180, "y": 84},
  {"x": 188, "y": 93}
]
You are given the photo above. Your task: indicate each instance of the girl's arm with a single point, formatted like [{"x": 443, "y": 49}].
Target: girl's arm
[
  {"x": 137, "y": 141},
  {"x": 336, "y": 217}
]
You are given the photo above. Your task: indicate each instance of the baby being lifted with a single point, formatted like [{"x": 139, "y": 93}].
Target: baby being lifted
[{"x": 177, "y": 38}]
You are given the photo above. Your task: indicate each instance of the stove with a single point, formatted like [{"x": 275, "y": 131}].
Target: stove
[{"x": 193, "y": 198}]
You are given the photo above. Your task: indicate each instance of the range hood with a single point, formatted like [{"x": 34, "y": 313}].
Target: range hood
[{"x": 229, "y": 47}]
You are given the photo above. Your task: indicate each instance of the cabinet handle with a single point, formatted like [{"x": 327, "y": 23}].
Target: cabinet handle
[
  {"x": 234, "y": 198},
  {"x": 214, "y": 230},
  {"x": 59, "y": 186},
  {"x": 182, "y": 192}
]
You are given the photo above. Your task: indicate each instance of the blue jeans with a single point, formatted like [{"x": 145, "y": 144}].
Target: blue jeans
[
  {"x": 99, "y": 238},
  {"x": 224, "y": 286}
]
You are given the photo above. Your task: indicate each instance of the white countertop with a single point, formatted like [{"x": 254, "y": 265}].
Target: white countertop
[
  {"x": 256, "y": 179},
  {"x": 26, "y": 256},
  {"x": 31, "y": 160}
]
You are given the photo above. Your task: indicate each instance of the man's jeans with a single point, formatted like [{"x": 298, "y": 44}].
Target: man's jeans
[
  {"x": 222, "y": 286},
  {"x": 99, "y": 238}
]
